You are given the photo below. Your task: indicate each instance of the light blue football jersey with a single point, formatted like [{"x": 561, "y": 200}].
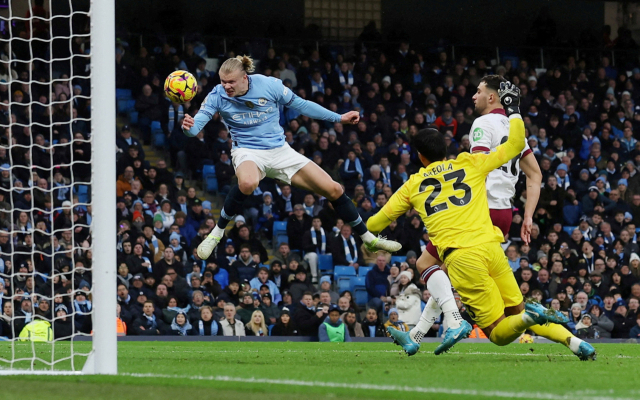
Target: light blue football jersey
[{"x": 254, "y": 118}]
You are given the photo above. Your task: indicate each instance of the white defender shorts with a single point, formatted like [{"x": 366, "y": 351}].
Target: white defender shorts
[{"x": 280, "y": 163}]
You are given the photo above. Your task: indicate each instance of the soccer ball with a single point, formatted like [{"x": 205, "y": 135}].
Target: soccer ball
[
  {"x": 526, "y": 338},
  {"x": 180, "y": 87}
]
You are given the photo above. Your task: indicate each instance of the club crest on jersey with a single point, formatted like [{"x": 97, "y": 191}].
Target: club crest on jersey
[
  {"x": 262, "y": 101},
  {"x": 477, "y": 134},
  {"x": 249, "y": 104}
]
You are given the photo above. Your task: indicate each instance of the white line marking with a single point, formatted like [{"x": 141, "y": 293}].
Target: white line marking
[
  {"x": 399, "y": 351},
  {"x": 391, "y": 388},
  {"x": 36, "y": 372}
]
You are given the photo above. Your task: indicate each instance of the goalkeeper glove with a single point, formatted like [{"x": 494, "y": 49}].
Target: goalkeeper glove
[{"x": 509, "y": 98}]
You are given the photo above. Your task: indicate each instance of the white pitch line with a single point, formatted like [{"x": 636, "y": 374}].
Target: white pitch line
[
  {"x": 485, "y": 353},
  {"x": 391, "y": 388}
]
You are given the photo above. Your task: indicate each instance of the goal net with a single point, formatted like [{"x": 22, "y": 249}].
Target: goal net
[{"x": 57, "y": 187}]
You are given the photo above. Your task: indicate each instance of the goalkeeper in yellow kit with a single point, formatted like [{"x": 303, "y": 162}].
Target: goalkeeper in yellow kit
[{"x": 451, "y": 198}]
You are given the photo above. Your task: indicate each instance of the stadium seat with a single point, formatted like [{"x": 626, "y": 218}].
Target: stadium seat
[
  {"x": 344, "y": 283},
  {"x": 210, "y": 181},
  {"x": 569, "y": 229},
  {"x": 123, "y": 94},
  {"x": 158, "y": 139},
  {"x": 133, "y": 117},
  {"x": 359, "y": 282},
  {"x": 157, "y": 134},
  {"x": 325, "y": 264},
  {"x": 279, "y": 239},
  {"x": 280, "y": 233},
  {"x": 131, "y": 105},
  {"x": 125, "y": 105},
  {"x": 341, "y": 271},
  {"x": 362, "y": 271},
  {"x": 280, "y": 227},
  {"x": 398, "y": 259},
  {"x": 361, "y": 297},
  {"x": 121, "y": 106}
]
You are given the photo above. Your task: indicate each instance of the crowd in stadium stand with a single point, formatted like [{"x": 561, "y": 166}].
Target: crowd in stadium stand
[{"x": 583, "y": 124}]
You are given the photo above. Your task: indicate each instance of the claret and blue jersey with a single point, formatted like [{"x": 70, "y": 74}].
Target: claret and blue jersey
[{"x": 254, "y": 118}]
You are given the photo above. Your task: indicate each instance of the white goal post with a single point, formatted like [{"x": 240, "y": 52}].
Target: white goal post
[{"x": 103, "y": 77}]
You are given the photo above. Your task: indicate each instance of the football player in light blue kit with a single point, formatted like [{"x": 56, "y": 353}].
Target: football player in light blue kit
[{"x": 249, "y": 107}]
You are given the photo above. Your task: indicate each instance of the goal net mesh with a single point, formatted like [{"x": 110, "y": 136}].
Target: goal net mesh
[{"x": 45, "y": 185}]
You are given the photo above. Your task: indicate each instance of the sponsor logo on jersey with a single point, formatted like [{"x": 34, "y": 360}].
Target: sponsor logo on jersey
[
  {"x": 252, "y": 117},
  {"x": 262, "y": 101},
  {"x": 477, "y": 134}
]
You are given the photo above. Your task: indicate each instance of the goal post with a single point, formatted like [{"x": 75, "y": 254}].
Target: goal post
[{"x": 103, "y": 77}]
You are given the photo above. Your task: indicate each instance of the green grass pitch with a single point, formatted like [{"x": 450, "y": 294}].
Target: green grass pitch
[{"x": 252, "y": 370}]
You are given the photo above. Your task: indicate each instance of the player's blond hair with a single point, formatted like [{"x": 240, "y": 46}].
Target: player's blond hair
[{"x": 243, "y": 63}]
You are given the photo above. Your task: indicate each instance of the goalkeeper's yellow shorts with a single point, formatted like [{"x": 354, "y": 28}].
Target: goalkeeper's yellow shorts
[{"x": 483, "y": 278}]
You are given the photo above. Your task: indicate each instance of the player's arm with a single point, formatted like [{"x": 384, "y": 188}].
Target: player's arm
[
  {"x": 534, "y": 181},
  {"x": 191, "y": 126},
  {"x": 310, "y": 109},
  {"x": 510, "y": 99},
  {"x": 397, "y": 205}
]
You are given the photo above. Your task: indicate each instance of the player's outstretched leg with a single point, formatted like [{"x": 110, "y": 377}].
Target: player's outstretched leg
[
  {"x": 313, "y": 178},
  {"x": 543, "y": 315},
  {"x": 347, "y": 212},
  {"x": 506, "y": 330},
  {"x": 560, "y": 334},
  {"x": 248, "y": 179}
]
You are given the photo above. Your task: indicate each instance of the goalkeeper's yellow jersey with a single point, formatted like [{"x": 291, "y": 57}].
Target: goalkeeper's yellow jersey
[{"x": 451, "y": 196}]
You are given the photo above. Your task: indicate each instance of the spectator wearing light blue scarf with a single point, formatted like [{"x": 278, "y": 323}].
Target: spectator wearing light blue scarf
[
  {"x": 351, "y": 172},
  {"x": 180, "y": 325},
  {"x": 206, "y": 325}
]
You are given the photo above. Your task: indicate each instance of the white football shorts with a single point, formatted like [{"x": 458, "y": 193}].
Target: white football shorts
[{"x": 280, "y": 163}]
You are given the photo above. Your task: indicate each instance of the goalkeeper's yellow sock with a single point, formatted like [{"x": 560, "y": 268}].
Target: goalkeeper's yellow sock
[
  {"x": 509, "y": 329},
  {"x": 554, "y": 332}
]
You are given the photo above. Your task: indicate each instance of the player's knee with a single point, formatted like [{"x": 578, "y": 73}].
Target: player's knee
[
  {"x": 428, "y": 272},
  {"x": 425, "y": 261},
  {"x": 333, "y": 192},
  {"x": 248, "y": 186},
  {"x": 497, "y": 341},
  {"x": 515, "y": 310}
]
